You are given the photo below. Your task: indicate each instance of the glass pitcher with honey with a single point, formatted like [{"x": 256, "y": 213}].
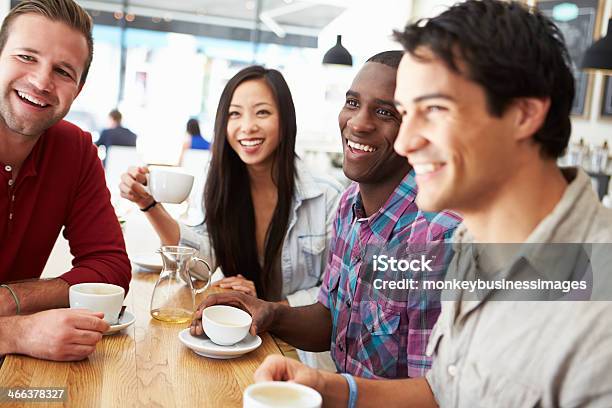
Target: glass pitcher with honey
[{"x": 175, "y": 292}]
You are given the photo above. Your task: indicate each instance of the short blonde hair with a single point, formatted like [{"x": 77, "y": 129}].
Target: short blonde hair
[{"x": 64, "y": 11}]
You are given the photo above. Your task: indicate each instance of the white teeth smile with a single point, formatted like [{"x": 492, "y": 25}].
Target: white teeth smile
[
  {"x": 425, "y": 168},
  {"x": 250, "y": 143},
  {"x": 32, "y": 99},
  {"x": 359, "y": 146}
]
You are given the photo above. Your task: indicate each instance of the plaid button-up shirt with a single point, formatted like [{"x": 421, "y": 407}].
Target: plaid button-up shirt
[{"x": 383, "y": 333}]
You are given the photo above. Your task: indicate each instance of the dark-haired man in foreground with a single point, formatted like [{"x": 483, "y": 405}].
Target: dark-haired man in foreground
[
  {"x": 370, "y": 334},
  {"x": 482, "y": 129}
]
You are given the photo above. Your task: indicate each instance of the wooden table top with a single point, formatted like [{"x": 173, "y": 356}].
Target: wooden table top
[{"x": 144, "y": 365}]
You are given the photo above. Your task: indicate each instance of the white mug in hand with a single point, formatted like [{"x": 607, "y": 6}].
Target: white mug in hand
[
  {"x": 280, "y": 394},
  {"x": 98, "y": 297},
  {"x": 169, "y": 184},
  {"x": 225, "y": 325}
]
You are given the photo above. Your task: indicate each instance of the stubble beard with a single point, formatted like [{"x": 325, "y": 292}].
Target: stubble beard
[{"x": 24, "y": 125}]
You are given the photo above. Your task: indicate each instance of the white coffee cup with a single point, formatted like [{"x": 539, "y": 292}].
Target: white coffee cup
[
  {"x": 280, "y": 394},
  {"x": 98, "y": 297},
  {"x": 225, "y": 325},
  {"x": 169, "y": 184}
]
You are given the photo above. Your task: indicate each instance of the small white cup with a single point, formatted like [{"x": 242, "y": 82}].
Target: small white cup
[
  {"x": 98, "y": 297},
  {"x": 169, "y": 184},
  {"x": 280, "y": 394},
  {"x": 225, "y": 325}
]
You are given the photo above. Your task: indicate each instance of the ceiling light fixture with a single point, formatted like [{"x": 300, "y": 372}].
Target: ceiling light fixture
[
  {"x": 338, "y": 55},
  {"x": 599, "y": 55}
]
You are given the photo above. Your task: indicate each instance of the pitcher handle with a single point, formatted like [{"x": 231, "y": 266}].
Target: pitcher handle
[{"x": 203, "y": 288}]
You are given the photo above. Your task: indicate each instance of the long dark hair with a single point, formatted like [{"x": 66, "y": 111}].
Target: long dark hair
[
  {"x": 230, "y": 216},
  {"x": 193, "y": 127}
]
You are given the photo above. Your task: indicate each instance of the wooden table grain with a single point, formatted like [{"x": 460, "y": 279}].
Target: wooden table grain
[{"x": 145, "y": 365}]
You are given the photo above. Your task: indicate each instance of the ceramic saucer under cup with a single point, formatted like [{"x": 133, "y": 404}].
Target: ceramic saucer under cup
[
  {"x": 203, "y": 346},
  {"x": 126, "y": 320}
]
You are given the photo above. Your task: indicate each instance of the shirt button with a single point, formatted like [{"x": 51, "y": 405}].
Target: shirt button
[
  {"x": 8, "y": 168},
  {"x": 452, "y": 370},
  {"x": 11, "y": 182}
]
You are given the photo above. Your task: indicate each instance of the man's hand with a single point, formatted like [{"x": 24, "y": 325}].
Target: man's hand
[
  {"x": 279, "y": 368},
  {"x": 263, "y": 312},
  {"x": 238, "y": 283},
  {"x": 59, "y": 334}
]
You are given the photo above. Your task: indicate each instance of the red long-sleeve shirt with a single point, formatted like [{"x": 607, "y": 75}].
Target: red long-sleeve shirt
[{"x": 61, "y": 184}]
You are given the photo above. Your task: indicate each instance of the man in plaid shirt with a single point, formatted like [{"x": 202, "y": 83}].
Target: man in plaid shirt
[
  {"x": 373, "y": 333},
  {"x": 383, "y": 333}
]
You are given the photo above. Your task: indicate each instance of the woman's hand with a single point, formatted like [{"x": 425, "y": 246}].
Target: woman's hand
[
  {"x": 238, "y": 283},
  {"x": 133, "y": 184}
]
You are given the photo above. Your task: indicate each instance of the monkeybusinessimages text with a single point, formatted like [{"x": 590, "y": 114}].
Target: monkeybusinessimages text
[{"x": 384, "y": 263}]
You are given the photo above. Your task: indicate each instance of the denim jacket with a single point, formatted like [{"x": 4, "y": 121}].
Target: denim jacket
[{"x": 304, "y": 252}]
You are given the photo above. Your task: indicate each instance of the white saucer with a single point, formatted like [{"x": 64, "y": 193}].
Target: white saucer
[
  {"x": 203, "y": 346},
  {"x": 148, "y": 261},
  {"x": 126, "y": 320}
]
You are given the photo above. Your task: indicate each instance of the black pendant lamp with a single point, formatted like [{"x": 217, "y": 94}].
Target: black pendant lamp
[
  {"x": 599, "y": 55},
  {"x": 338, "y": 54}
]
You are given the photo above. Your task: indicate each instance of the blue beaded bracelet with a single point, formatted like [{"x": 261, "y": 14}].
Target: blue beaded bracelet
[{"x": 352, "y": 390}]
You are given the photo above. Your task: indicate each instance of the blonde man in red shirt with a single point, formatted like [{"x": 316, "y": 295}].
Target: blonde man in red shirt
[{"x": 50, "y": 178}]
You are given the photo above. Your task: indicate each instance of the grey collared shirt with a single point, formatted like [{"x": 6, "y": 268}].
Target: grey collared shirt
[{"x": 524, "y": 353}]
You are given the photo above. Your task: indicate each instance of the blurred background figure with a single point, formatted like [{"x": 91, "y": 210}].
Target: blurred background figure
[
  {"x": 194, "y": 139},
  {"x": 115, "y": 134}
]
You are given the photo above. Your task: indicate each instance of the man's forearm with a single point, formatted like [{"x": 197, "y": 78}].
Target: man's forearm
[
  {"x": 406, "y": 393},
  {"x": 306, "y": 327},
  {"x": 7, "y": 335},
  {"x": 34, "y": 296}
]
